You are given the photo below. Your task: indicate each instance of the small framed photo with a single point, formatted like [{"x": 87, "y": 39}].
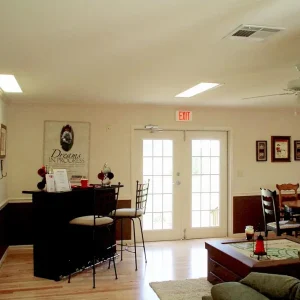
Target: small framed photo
[
  {"x": 261, "y": 151},
  {"x": 280, "y": 148},
  {"x": 297, "y": 150},
  {"x": 2, "y": 141}
]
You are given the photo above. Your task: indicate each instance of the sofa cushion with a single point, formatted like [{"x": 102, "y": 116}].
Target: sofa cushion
[
  {"x": 235, "y": 290},
  {"x": 274, "y": 286}
]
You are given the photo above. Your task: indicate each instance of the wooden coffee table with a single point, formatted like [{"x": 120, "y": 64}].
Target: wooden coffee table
[{"x": 231, "y": 260}]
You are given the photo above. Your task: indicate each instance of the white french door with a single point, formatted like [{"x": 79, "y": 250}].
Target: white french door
[{"x": 188, "y": 183}]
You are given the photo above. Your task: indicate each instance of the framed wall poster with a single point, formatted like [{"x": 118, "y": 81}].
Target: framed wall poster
[
  {"x": 3, "y": 134},
  {"x": 280, "y": 149},
  {"x": 297, "y": 150},
  {"x": 261, "y": 151},
  {"x": 67, "y": 146}
]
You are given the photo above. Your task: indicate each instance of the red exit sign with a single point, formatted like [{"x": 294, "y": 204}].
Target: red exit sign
[{"x": 183, "y": 115}]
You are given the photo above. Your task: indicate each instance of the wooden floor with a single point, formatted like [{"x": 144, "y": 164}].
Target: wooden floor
[{"x": 166, "y": 261}]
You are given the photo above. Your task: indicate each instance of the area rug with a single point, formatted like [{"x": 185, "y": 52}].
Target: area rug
[{"x": 188, "y": 289}]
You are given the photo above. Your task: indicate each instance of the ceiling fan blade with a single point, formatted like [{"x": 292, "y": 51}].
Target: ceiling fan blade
[{"x": 268, "y": 95}]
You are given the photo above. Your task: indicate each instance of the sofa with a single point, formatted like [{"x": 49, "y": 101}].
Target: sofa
[{"x": 257, "y": 286}]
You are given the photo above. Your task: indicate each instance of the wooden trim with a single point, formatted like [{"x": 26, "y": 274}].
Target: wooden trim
[{"x": 247, "y": 210}]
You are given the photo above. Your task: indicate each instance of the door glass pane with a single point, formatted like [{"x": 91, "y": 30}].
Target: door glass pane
[
  {"x": 215, "y": 165},
  {"x": 205, "y": 183},
  {"x": 157, "y": 184},
  {"x": 215, "y": 183},
  {"x": 157, "y": 202},
  {"x": 196, "y": 148},
  {"x": 158, "y": 167},
  {"x": 196, "y": 165},
  {"x": 205, "y": 216},
  {"x": 147, "y": 166},
  {"x": 167, "y": 166},
  {"x": 149, "y": 207},
  {"x": 195, "y": 201},
  {"x": 157, "y": 220},
  {"x": 167, "y": 203},
  {"x": 205, "y": 201},
  {"x": 205, "y": 148},
  {"x": 167, "y": 184},
  {"x": 147, "y": 146},
  {"x": 167, "y": 220},
  {"x": 214, "y": 198},
  {"x": 157, "y": 148},
  {"x": 196, "y": 184},
  {"x": 147, "y": 221},
  {"x": 205, "y": 163}
]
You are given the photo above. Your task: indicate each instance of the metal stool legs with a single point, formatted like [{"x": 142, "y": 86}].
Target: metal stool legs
[
  {"x": 134, "y": 238},
  {"x": 134, "y": 241},
  {"x": 121, "y": 238},
  {"x": 143, "y": 239}
]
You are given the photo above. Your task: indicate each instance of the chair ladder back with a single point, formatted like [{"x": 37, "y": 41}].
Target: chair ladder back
[
  {"x": 141, "y": 196},
  {"x": 288, "y": 187},
  {"x": 105, "y": 201},
  {"x": 269, "y": 208}
]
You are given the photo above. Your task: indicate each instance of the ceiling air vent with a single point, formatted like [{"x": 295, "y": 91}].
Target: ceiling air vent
[{"x": 253, "y": 32}]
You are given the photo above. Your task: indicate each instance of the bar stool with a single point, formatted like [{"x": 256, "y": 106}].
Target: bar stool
[
  {"x": 134, "y": 213},
  {"x": 104, "y": 207}
]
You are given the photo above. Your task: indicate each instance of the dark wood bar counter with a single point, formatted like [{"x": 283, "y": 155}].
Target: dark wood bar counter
[{"x": 51, "y": 239}]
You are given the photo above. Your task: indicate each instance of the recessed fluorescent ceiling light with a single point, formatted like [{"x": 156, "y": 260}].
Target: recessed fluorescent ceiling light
[
  {"x": 197, "y": 89},
  {"x": 9, "y": 84}
]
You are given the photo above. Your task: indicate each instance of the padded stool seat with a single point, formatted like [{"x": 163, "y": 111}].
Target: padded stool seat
[
  {"x": 128, "y": 212},
  {"x": 89, "y": 221}
]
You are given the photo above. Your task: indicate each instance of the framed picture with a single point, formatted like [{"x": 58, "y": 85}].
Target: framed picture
[
  {"x": 67, "y": 146},
  {"x": 261, "y": 151},
  {"x": 3, "y": 132},
  {"x": 280, "y": 149},
  {"x": 297, "y": 150}
]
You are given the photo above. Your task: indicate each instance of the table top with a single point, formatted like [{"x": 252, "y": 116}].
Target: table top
[
  {"x": 77, "y": 188},
  {"x": 242, "y": 252}
]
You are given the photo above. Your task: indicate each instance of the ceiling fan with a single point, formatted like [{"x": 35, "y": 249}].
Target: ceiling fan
[
  {"x": 153, "y": 128},
  {"x": 293, "y": 88}
]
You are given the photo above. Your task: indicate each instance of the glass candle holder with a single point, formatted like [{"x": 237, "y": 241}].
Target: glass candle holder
[{"x": 249, "y": 231}]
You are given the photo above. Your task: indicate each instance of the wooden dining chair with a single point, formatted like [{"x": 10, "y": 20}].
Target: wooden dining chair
[
  {"x": 271, "y": 216},
  {"x": 287, "y": 192}
]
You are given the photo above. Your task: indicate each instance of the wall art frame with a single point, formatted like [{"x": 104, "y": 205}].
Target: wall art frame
[
  {"x": 3, "y": 139},
  {"x": 297, "y": 150},
  {"x": 67, "y": 146},
  {"x": 280, "y": 148},
  {"x": 261, "y": 150}
]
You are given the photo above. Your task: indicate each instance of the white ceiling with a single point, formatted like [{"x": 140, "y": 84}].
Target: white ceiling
[{"x": 147, "y": 51}]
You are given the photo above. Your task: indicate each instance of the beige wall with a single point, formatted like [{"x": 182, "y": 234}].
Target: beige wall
[
  {"x": 25, "y": 141},
  {"x": 3, "y": 181}
]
